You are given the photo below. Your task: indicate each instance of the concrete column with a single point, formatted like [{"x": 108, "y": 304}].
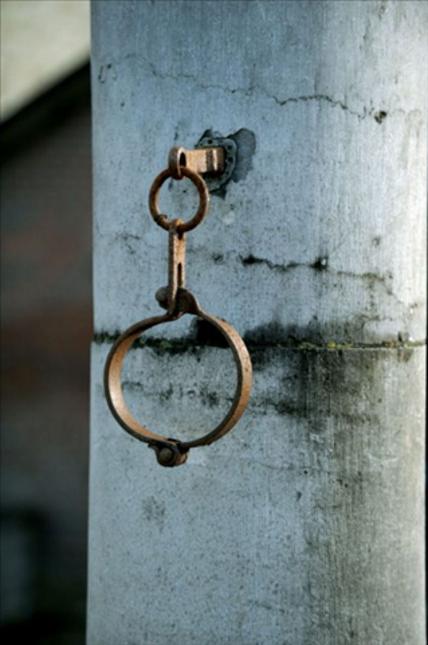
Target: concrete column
[{"x": 304, "y": 526}]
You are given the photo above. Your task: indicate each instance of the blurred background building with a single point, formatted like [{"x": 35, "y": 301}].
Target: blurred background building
[{"x": 46, "y": 318}]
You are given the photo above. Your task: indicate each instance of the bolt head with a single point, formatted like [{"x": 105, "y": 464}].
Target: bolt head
[
  {"x": 162, "y": 297},
  {"x": 166, "y": 456}
]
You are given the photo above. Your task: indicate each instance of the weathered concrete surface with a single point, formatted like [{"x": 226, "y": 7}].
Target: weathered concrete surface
[{"x": 305, "y": 524}]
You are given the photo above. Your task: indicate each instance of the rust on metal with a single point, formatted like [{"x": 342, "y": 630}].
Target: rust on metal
[
  {"x": 201, "y": 160},
  {"x": 204, "y": 198},
  {"x": 176, "y": 263},
  {"x": 177, "y": 301}
]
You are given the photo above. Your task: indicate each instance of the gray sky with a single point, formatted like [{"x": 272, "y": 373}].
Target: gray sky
[{"x": 41, "y": 42}]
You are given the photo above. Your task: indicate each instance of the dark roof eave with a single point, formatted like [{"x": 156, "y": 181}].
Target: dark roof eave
[{"x": 47, "y": 110}]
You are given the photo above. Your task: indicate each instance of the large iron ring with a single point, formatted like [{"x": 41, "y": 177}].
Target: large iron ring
[{"x": 173, "y": 452}]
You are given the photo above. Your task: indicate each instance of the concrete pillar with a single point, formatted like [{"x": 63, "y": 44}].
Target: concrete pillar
[{"x": 303, "y": 526}]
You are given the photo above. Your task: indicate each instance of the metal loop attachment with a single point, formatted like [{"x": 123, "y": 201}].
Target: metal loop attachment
[
  {"x": 178, "y": 301},
  {"x": 173, "y": 452},
  {"x": 177, "y": 161},
  {"x": 162, "y": 220}
]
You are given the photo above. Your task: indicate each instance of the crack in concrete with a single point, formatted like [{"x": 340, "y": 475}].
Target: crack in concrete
[
  {"x": 108, "y": 68},
  {"x": 328, "y": 99},
  {"x": 281, "y": 268},
  {"x": 321, "y": 264},
  {"x": 245, "y": 91}
]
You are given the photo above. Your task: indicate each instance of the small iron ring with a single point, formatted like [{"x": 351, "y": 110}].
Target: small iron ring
[
  {"x": 175, "y": 450},
  {"x": 162, "y": 220}
]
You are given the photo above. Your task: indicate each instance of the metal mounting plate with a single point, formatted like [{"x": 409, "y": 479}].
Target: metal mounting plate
[{"x": 210, "y": 139}]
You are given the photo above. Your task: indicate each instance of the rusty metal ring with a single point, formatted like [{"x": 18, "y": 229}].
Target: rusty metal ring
[
  {"x": 172, "y": 452},
  {"x": 176, "y": 161},
  {"x": 162, "y": 220}
]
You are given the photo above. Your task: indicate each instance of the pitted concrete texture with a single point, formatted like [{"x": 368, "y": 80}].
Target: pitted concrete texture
[{"x": 304, "y": 525}]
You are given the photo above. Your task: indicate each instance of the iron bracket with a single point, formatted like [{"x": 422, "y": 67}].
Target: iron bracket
[{"x": 214, "y": 157}]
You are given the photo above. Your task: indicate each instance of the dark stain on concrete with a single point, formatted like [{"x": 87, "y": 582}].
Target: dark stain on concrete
[
  {"x": 324, "y": 384},
  {"x": 154, "y": 511},
  {"x": 202, "y": 333},
  {"x": 268, "y": 334},
  {"x": 380, "y": 116},
  {"x": 106, "y": 71},
  {"x": 106, "y": 337},
  {"x": 245, "y": 148},
  {"x": 320, "y": 264},
  {"x": 209, "y": 397}
]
